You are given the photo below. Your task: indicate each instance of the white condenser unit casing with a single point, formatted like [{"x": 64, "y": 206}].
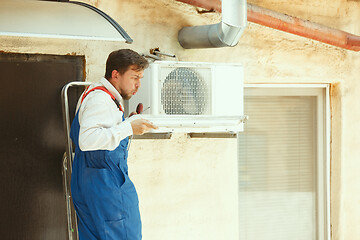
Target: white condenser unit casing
[{"x": 191, "y": 97}]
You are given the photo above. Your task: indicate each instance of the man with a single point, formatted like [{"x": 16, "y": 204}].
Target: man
[{"x": 104, "y": 197}]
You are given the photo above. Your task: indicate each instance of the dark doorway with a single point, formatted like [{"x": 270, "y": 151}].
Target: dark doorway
[{"x": 32, "y": 144}]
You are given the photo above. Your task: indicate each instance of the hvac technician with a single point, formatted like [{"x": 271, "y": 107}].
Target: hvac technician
[{"x": 104, "y": 197}]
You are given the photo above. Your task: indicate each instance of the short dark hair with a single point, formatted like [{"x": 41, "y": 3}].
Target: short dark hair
[{"x": 121, "y": 60}]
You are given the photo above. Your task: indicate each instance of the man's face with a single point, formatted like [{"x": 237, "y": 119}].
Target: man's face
[{"x": 128, "y": 83}]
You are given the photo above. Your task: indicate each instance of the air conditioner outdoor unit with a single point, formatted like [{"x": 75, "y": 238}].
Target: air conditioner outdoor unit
[{"x": 191, "y": 97}]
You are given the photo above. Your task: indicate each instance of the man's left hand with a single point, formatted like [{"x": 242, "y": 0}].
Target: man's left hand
[{"x": 132, "y": 113}]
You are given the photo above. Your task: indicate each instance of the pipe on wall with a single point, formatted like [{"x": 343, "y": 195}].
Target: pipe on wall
[
  {"x": 289, "y": 24},
  {"x": 223, "y": 34}
]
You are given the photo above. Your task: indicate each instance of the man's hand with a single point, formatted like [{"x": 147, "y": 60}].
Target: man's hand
[
  {"x": 141, "y": 126},
  {"x": 132, "y": 114},
  {"x": 139, "y": 109}
]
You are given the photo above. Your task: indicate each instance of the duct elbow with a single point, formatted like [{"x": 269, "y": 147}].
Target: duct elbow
[
  {"x": 223, "y": 34},
  {"x": 229, "y": 35},
  {"x": 210, "y": 36}
]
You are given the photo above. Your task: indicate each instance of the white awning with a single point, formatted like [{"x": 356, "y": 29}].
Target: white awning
[{"x": 46, "y": 19}]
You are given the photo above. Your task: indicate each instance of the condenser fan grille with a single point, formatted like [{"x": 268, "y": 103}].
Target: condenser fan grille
[{"x": 184, "y": 92}]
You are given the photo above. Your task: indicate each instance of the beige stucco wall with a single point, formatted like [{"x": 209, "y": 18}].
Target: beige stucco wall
[{"x": 188, "y": 187}]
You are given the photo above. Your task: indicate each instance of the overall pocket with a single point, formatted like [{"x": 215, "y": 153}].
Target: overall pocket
[
  {"x": 115, "y": 230},
  {"x": 129, "y": 193},
  {"x": 102, "y": 194}
]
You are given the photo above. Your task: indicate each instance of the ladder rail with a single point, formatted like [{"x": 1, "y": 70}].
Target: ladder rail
[{"x": 69, "y": 158}]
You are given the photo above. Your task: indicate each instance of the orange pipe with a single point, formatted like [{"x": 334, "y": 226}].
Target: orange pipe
[{"x": 289, "y": 24}]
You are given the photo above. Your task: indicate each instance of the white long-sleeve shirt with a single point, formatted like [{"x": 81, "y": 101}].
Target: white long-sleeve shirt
[{"x": 101, "y": 125}]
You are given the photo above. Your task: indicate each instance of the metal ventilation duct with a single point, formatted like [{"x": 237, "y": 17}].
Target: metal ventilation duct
[
  {"x": 223, "y": 34},
  {"x": 47, "y": 19}
]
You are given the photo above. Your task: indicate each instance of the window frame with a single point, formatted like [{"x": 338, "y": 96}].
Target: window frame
[{"x": 322, "y": 94}]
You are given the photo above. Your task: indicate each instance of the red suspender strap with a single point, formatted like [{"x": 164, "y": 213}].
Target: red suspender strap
[{"x": 105, "y": 90}]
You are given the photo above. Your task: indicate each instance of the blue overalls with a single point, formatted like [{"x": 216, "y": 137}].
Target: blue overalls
[{"x": 104, "y": 197}]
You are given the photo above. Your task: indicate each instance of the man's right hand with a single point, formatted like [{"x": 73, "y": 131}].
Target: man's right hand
[{"x": 141, "y": 126}]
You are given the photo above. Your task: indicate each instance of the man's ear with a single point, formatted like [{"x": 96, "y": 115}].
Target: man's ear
[{"x": 114, "y": 74}]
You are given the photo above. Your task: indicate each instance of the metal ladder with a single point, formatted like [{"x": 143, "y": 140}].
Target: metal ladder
[{"x": 67, "y": 161}]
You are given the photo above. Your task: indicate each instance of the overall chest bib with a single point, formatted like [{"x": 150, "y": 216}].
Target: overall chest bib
[{"x": 104, "y": 197}]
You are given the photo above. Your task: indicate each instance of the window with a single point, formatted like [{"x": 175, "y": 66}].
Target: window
[{"x": 283, "y": 176}]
